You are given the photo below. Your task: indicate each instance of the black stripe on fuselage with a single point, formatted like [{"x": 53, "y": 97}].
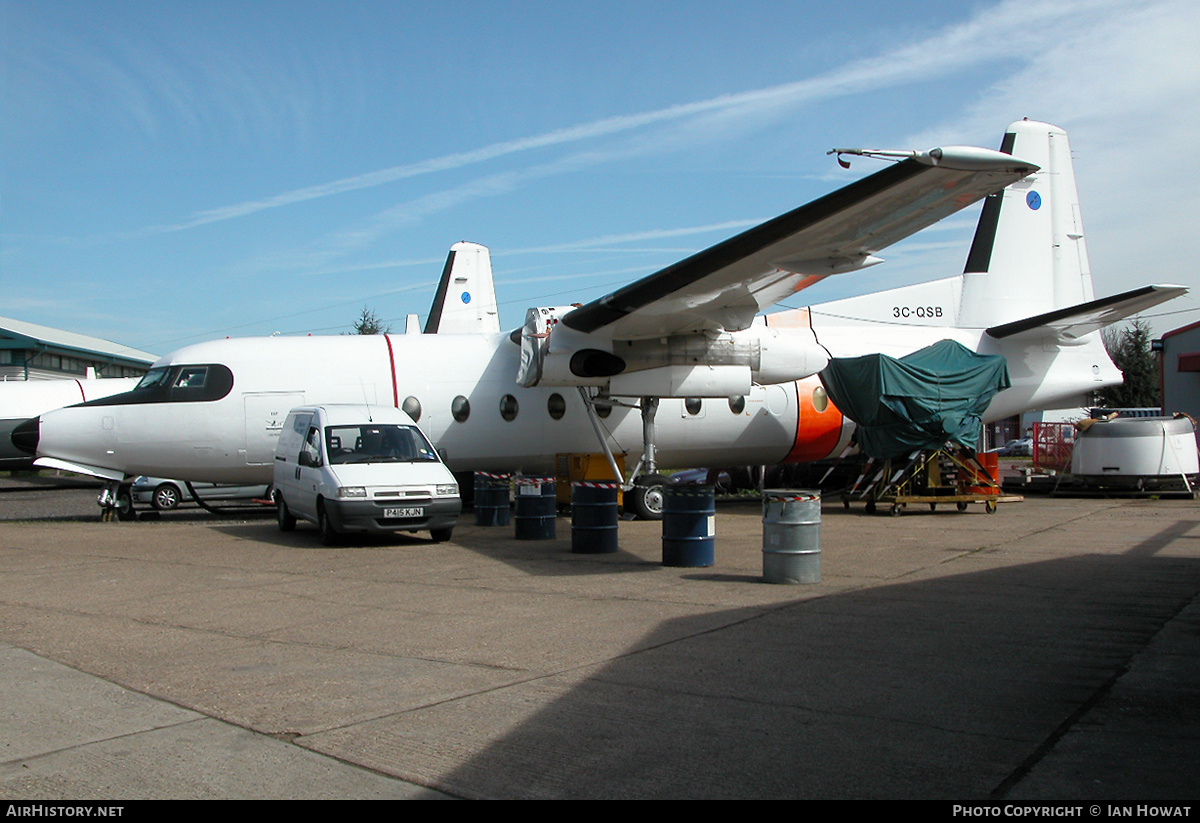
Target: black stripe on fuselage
[
  {"x": 600, "y": 313},
  {"x": 218, "y": 383}
]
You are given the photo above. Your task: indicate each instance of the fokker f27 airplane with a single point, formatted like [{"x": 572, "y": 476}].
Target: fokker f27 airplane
[{"x": 678, "y": 367}]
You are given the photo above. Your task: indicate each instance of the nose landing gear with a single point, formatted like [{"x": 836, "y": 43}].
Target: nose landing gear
[{"x": 116, "y": 502}]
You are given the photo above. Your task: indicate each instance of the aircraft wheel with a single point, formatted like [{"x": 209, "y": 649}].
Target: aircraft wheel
[
  {"x": 287, "y": 520},
  {"x": 329, "y": 535},
  {"x": 441, "y": 535},
  {"x": 166, "y": 496},
  {"x": 125, "y": 504},
  {"x": 646, "y": 497}
]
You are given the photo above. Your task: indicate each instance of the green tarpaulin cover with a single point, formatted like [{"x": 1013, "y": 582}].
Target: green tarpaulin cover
[{"x": 924, "y": 400}]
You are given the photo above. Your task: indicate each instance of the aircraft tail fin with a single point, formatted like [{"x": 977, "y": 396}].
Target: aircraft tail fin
[
  {"x": 1028, "y": 257},
  {"x": 465, "y": 302}
]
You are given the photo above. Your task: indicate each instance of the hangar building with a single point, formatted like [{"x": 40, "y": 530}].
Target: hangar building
[
  {"x": 1181, "y": 370},
  {"x": 32, "y": 352}
]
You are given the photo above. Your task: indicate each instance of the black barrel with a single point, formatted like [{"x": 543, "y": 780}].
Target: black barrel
[
  {"x": 537, "y": 509},
  {"x": 491, "y": 499},
  {"x": 593, "y": 518},
  {"x": 689, "y": 525}
]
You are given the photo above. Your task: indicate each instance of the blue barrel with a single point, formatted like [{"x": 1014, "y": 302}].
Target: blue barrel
[
  {"x": 791, "y": 536},
  {"x": 491, "y": 499},
  {"x": 537, "y": 509},
  {"x": 689, "y": 525},
  {"x": 594, "y": 518}
]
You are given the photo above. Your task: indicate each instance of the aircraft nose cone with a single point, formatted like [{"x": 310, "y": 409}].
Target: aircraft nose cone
[{"x": 26, "y": 435}]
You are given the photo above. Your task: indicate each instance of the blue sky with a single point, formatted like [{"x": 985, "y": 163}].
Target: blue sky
[{"x": 181, "y": 171}]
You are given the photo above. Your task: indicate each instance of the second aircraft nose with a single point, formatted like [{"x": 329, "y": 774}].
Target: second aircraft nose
[{"x": 25, "y": 435}]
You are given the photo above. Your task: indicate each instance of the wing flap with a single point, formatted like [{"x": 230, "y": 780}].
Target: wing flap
[{"x": 724, "y": 286}]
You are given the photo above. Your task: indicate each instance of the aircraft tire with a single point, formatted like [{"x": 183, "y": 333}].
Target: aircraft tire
[
  {"x": 125, "y": 504},
  {"x": 165, "y": 497},
  {"x": 646, "y": 497},
  {"x": 287, "y": 520}
]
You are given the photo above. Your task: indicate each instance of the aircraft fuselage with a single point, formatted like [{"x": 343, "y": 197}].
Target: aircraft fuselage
[{"x": 461, "y": 390}]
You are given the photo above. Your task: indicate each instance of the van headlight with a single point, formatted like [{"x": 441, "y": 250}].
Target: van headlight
[
  {"x": 352, "y": 491},
  {"x": 447, "y": 491}
]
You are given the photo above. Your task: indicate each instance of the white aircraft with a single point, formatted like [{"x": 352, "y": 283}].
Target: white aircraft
[
  {"x": 465, "y": 302},
  {"x": 677, "y": 368},
  {"x": 23, "y": 399}
]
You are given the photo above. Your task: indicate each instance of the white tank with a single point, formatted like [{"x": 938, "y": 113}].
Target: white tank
[{"x": 1137, "y": 452}]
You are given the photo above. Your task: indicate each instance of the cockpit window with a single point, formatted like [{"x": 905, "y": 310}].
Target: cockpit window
[
  {"x": 154, "y": 377},
  {"x": 191, "y": 377},
  {"x": 176, "y": 384}
]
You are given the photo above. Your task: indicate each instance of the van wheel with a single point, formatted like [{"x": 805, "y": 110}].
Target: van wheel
[
  {"x": 441, "y": 535},
  {"x": 287, "y": 521},
  {"x": 329, "y": 535}
]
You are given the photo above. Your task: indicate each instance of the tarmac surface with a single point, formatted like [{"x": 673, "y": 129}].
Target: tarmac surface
[{"x": 1047, "y": 651}]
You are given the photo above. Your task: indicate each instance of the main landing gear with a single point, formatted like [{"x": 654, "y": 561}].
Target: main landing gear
[{"x": 644, "y": 496}]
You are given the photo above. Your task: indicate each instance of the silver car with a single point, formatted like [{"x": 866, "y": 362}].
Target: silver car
[{"x": 163, "y": 493}]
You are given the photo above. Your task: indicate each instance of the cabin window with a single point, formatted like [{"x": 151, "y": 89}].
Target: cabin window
[
  {"x": 412, "y": 407},
  {"x": 737, "y": 405},
  {"x": 820, "y": 399},
  {"x": 557, "y": 406},
  {"x": 692, "y": 404},
  {"x": 508, "y": 407},
  {"x": 460, "y": 408}
]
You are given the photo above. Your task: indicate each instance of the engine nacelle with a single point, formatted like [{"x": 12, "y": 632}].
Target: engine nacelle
[{"x": 685, "y": 365}]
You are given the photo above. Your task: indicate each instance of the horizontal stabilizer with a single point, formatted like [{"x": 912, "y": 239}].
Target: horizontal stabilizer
[{"x": 1074, "y": 322}]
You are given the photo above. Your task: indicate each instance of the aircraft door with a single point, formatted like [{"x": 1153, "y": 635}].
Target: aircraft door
[{"x": 265, "y": 413}]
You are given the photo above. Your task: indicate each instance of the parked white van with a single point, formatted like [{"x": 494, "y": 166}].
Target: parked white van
[{"x": 357, "y": 468}]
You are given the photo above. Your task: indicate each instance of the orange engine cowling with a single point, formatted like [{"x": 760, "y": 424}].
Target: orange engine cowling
[{"x": 819, "y": 423}]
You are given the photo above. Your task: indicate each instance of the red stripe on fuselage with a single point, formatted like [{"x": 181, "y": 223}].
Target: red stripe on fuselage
[{"x": 392, "y": 368}]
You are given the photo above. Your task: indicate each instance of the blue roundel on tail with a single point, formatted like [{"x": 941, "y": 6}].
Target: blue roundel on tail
[
  {"x": 466, "y": 297},
  {"x": 1034, "y": 200}
]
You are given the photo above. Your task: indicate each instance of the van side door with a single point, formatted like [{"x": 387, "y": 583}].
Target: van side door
[{"x": 310, "y": 466}]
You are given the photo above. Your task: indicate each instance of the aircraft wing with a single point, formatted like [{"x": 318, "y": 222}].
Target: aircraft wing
[
  {"x": 1074, "y": 322},
  {"x": 725, "y": 286}
]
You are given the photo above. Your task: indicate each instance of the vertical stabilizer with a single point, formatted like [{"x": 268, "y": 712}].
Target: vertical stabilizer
[
  {"x": 465, "y": 302},
  {"x": 1028, "y": 256}
]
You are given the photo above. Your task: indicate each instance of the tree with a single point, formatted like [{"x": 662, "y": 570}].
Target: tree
[
  {"x": 369, "y": 323},
  {"x": 1129, "y": 349}
]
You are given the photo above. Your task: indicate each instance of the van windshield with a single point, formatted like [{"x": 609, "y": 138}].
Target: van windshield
[{"x": 374, "y": 443}]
